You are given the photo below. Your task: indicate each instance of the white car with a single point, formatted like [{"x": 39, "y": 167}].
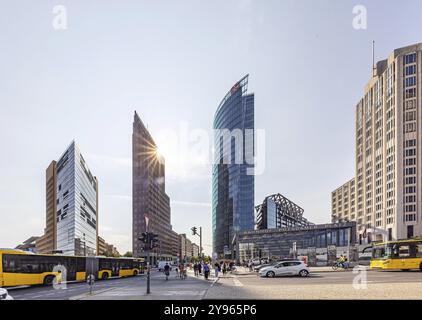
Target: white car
[
  {"x": 285, "y": 268},
  {"x": 162, "y": 264},
  {"x": 4, "y": 295}
]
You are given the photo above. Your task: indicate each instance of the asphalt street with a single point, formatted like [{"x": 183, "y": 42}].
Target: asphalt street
[
  {"x": 191, "y": 288},
  {"x": 335, "y": 277},
  {"x": 233, "y": 286}
]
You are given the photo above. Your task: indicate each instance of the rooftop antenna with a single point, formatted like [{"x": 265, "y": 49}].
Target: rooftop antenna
[{"x": 373, "y": 59}]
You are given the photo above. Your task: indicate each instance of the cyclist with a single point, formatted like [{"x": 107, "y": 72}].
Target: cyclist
[
  {"x": 341, "y": 261},
  {"x": 182, "y": 270},
  {"x": 167, "y": 271}
]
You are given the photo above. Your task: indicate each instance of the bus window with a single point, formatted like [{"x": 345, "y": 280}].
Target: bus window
[
  {"x": 9, "y": 264},
  {"x": 419, "y": 251},
  {"x": 404, "y": 252},
  {"x": 105, "y": 264},
  {"x": 80, "y": 264}
]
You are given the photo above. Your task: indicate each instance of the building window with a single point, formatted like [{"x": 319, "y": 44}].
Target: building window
[
  {"x": 410, "y": 58},
  {"x": 411, "y": 81},
  {"x": 409, "y": 232}
]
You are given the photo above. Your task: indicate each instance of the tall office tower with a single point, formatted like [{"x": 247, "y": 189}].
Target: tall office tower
[
  {"x": 72, "y": 206},
  {"x": 388, "y": 149},
  {"x": 149, "y": 198},
  {"x": 233, "y": 180}
]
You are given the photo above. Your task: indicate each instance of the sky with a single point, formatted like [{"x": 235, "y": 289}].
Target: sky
[{"x": 173, "y": 62}]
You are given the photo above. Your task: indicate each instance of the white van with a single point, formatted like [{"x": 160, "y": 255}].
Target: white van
[{"x": 161, "y": 265}]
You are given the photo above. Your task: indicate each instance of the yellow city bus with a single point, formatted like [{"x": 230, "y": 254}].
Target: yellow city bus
[
  {"x": 397, "y": 255},
  {"x": 19, "y": 268}
]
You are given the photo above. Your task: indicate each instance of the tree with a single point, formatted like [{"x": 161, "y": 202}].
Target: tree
[
  {"x": 114, "y": 254},
  {"x": 128, "y": 254}
]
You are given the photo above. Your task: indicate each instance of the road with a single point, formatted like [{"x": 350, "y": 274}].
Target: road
[
  {"x": 335, "y": 277},
  {"x": 322, "y": 285},
  {"x": 121, "y": 288},
  {"x": 319, "y": 285}
]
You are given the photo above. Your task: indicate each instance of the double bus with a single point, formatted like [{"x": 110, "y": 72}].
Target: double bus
[
  {"x": 18, "y": 268},
  {"x": 397, "y": 255}
]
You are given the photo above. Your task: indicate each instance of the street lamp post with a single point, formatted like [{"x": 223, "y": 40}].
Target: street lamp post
[
  {"x": 148, "y": 274},
  {"x": 148, "y": 240}
]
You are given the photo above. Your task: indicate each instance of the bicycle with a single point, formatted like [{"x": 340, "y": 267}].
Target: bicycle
[{"x": 342, "y": 265}]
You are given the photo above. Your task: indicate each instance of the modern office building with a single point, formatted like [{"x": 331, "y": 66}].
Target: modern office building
[
  {"x": 317, "y": 244},
  {"x": 29, "y": 244},
  {"x": 149, "y": 199},
  {"x": 343, "y": 205},
  {"x": 175, "y": 245},
  {"x": 106, "y": 249},
  {"x": 186, "y": 248},
  {"x": 48, "y": 242},
  {"x": 72, "y": 206},
  {"x": 388, "y": 176},
  {"x": 276, "y": 211},
  {"x": 102, "y": 246},
  {"x": 232, "y": 173},
  {"x": 195, "y": 250}
]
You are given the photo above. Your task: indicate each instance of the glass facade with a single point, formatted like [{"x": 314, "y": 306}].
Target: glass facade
[
  {"x": 271, "y": 214},
  {"x": 233, "y": 181},
  {"x": 310, "y": 241},
  {"x": 76, "y": 205}
]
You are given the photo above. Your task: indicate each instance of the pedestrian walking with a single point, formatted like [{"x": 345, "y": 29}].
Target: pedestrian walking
[
  {"x": 216, "y": 269},
  {"x": 200, "y": 268},
  {"x": 224, "y": 269},
  {"x": 206, "y": 270}
]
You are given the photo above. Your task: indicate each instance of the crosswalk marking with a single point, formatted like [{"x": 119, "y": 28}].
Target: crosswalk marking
[{"x": 237, "y": 283}]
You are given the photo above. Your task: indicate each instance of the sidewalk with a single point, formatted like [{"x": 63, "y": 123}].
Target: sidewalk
[
  {"x": 140, "y": 294},
  {"x": 175, "y": 289}
]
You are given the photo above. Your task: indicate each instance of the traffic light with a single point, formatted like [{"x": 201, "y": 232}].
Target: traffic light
[
  {"x": 154, "y": 240},
  {"x": 144, "y": 237},
  {"x": 194, "y": 230},
  {"x": 149, "y": 240}
]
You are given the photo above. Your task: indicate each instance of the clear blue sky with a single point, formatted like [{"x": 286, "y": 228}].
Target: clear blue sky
[{"x": 173, "y": 61}]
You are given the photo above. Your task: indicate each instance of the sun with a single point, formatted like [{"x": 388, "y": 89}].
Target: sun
[{"x": 159, "y": 151}]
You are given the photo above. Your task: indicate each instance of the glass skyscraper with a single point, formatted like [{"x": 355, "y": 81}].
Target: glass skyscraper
[{"x": 233, "y": 180}]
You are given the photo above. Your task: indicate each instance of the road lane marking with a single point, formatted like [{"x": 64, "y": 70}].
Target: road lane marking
[{"x": 237, "y": 283}]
